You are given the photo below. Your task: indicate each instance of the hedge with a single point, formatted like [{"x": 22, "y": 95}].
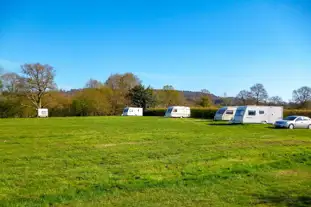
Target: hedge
[
  {"x": 209, "y": 113},
  {"x": 300, "y": 112},
  {"x": 202, "y": 113}
]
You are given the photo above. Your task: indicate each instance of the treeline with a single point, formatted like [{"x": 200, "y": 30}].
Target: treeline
[{"x": 34, "y": 87}]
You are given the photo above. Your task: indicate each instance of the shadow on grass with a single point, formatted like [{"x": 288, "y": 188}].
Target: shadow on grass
[{"x": 293, "y": 201}]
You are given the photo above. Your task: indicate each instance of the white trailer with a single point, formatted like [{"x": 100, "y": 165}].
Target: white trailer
[
  {"x": 132, "y": 111},
  {"x": 178, "y": 112},
  {"x": 42, "y": 113},
  {"x": 225, "y": 113},
  {"x": 258, "y": 114}
]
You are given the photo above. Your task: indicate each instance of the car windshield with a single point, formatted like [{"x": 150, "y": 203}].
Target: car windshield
[
  {"x": 290, "y": 118},
  {"x": 221, "y": 111}
]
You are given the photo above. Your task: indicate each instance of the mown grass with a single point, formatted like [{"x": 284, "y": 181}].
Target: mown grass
[{"x": 151, "y": 161}]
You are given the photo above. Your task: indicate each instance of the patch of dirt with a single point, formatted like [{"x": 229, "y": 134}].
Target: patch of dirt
[
  {"x": 123, "y": 143},
  {"x": 293, "y": 173},
  {"x": 286, "y": 142}
]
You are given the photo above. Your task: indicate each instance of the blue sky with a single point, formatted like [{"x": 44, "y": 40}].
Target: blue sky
[{"x": 222, "y": 45}]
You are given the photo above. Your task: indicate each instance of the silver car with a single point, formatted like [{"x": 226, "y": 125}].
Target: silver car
[{"x": 294, "y": 122}]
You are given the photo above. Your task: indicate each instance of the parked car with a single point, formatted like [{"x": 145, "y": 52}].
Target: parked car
[{"x": 292, "y": 122}]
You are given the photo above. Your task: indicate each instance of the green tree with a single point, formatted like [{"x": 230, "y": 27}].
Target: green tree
[
  {"x": 92, "y": 102},
  {"x": 205, "y": 101},
  {"x": 121, "y": 84},
  {"x": 142, "y": 97},
  {"x": 168, "y": 96}
]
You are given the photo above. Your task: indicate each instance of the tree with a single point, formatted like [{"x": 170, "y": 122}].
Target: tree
[
  {"x": 205, "y": 101},
  {"x": 121, "y": 84},
  {"x": 244, "y": 96},
  {"x": 92, "y": 102},
  {"x": 93, "y": 84},
  {"x": 168, "y": 96},
  {"x": 168, "y": 88},
  {"x": 259, "y": 93},
  {"x": 38, "y": 79},
  {"x": 142, "y": 97},
  {"x": 302, "y": 96},
  {"x": 1, "y": 86},
  {"x": 12, "y": 82},
  {"x": 276, "y": 100},
  {"x": 205, "y": 91}
]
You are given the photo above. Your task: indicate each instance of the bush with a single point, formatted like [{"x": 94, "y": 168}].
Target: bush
[
  {"x": 155, "y": 112},
  {"x": 300, "y": 112},
  {"x": 202, "y": 113}
]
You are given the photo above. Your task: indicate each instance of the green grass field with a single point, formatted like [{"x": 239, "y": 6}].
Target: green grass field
[{"x": 151, "y": 161}]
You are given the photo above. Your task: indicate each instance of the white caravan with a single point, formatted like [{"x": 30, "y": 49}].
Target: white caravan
[
  {"x": 178, "y": 112},
  {"x": 132, "y": 111},
  {"x": 258, "y": 114},
  {"x": 225, "y": 113},
  {"x": 43, "y": 113}
]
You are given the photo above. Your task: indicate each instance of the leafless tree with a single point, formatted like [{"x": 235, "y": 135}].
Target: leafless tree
[
  {"x": 276, "y": 100},
  {"x": 244, "y": 96},
  {"x": 123, "y": 82},
  {"x": 11, "y": 82},
  {"x": 92, "y": 83},
  {"x": 38, "y": 79},
  {"x": 302, "y": 96},
  {"x": 259, "y": 93}
]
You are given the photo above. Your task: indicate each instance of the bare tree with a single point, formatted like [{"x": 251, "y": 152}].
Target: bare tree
[
  {"x": 38, "y": 80},
  {"x": 93, "y": 84},
  {"x": 259, "y": 93},
  {"x": 302, "y": 96},
  {"x": 276, "y": 100},
  {"x": 12, "y": 82},
  {"x": 244, "y": 96},
  {"x": 123, "y": 82},
  {"x": 205, "y": 91}
]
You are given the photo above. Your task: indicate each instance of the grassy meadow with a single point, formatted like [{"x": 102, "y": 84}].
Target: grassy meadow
[{"x": 151, "y": 161}]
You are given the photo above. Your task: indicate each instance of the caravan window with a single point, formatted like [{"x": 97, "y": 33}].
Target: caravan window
[
  {"x": 221, "y": 111},
  {"x": 251, "y": 112},
  {"x": 229, "y": 112},
  {"x": 125, "y": 110},
  {"x": 175, "y": 110},
  {"x": 261, "y": 112},
  {"x": 169, "y": 110}
]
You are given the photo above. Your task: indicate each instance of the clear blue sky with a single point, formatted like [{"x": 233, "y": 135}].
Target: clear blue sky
[{"x": 220, "y": 45}]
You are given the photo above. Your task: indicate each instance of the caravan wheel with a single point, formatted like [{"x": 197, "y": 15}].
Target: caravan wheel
[
  {"x": 264, "y": 122},
  {"x": 309, "y": 127}
]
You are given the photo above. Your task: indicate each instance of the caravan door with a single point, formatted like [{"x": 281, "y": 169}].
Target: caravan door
[{"x": 239, "y": 115}]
